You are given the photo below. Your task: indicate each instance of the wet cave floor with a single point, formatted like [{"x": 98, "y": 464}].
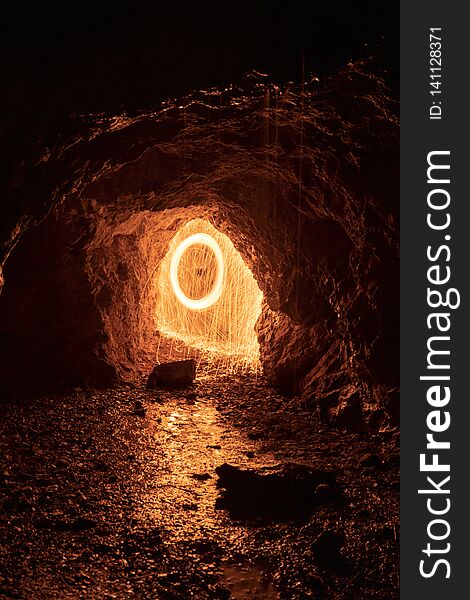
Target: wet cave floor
[{"x": 113, "y": 494}]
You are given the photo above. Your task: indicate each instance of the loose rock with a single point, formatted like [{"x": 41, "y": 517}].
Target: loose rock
[
  {"x": 327, "y": 547},
  {"x": 173, "y": 374},
  {"x": 283, "y": 492}
]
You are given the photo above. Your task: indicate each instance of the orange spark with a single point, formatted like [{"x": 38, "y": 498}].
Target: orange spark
[{"x": 208, "y": 297}]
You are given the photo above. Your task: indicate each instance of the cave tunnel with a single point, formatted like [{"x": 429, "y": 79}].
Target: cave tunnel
[
  {"x": 253, "y": 232},
  {"x": 84, "y": 300},
  {"x": 208, "y": 298}
]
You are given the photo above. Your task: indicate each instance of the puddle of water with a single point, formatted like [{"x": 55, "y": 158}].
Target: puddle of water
[
  {"x": 184, "y": 443},
  {"x": 178, "y": 467},
  {"x": 247, "y": 582}
]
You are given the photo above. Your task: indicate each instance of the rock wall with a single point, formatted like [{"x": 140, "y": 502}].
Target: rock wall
[{"x": 304, "y": 184}]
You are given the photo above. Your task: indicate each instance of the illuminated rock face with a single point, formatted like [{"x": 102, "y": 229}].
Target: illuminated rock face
[
  {"x": 315, "y": 223},
  {"x": 207, "y": 297}
]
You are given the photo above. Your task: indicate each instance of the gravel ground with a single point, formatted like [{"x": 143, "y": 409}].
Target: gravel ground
[{"x": 113, "y": 493}]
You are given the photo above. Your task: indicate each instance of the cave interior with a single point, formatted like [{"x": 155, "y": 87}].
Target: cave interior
[
  {"x": 315, "y": 224},
  {"x": 299, "y": 187}
]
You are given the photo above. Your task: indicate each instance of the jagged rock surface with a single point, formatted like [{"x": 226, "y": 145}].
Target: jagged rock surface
[{"x": 306, "y": 186}]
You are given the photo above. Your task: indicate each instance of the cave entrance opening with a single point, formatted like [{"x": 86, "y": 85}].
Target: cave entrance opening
[{"x": 208, "y": 300}]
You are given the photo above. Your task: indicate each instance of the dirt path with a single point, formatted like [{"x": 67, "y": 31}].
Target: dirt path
[{"x": 112, "y": 494}]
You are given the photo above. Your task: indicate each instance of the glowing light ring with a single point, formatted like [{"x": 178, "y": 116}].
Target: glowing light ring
[{"x": 212, "y": 297}]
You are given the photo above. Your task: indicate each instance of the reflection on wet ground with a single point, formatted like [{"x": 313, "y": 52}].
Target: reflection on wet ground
[
  {"x": 112, "y": 494},
  {"x": 185, "y": 443}
]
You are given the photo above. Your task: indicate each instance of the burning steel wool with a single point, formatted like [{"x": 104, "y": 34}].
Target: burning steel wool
[{"x": 208, "y": 297}]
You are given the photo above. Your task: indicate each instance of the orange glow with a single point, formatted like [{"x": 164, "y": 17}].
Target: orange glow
[{"x": 208, "y": 297}]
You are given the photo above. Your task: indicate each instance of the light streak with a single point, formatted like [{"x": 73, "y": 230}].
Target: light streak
[
  {"x": 216, "y": 291},
  {"x": 207, "y": 297}
]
